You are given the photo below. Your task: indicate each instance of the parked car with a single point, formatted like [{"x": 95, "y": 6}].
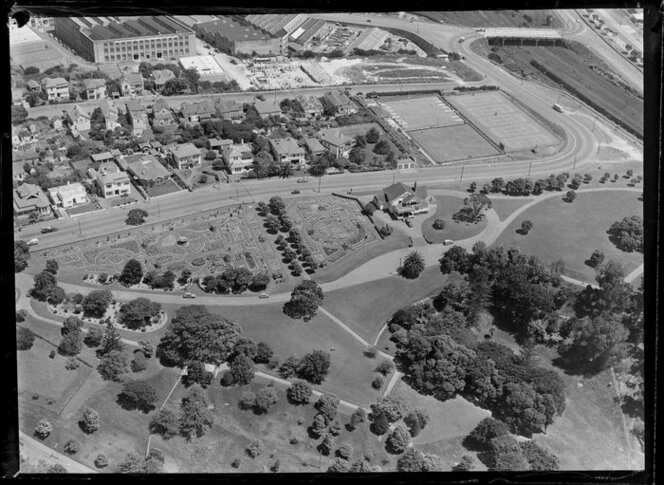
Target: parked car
[
  {"x": 33, "y": 241},
  {"x": 447, "y": 242},
  {"x": 302, "y": 180},
  {"x": 263, "y": 295},
  {"x": 295, "y": 192},
  {"x": 188, "y": 295},
  {"x": 47, "y": 229}
]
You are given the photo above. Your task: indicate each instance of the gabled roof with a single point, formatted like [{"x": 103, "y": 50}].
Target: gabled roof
[
  {"x": 314, "y": 145},
  {"x": 338, "y": 98},
  {"x": 227, "y": 105},
  {"x": 134, "y": 78},
  {"x": 160, "y": 104},
  {"x": 108, "y": 107},
  {"x": 100, "y": 157},
  {"x": 94, "y": 83},
  {"x": 112, "y": 177},
  {"x": 134, "y": 105},
  {"x": 27, "y": 191},
  {"x": 27, "y": 195},
  {"x": 55, "y": 82},
  {"x": 395, "y": 191},
  {"x": 32, "y": 84},
  {"x": 286, "y": 146},
  {"x": 146, "y": 167},
  {"x": 267, "y": 107},
  {"x": 184, "y": 150}
]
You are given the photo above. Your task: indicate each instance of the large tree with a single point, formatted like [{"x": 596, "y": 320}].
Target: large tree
[
  {"x": 305, "y": 300},
  {"x": 113, "y": 365},
  {"x": 196, "y": 335},
  {"x": 413, "y": 264},
  {"x": 194, "y": 414},
  {"x": 414, "y": 460},
  {"x": 327, "y": 405},
  {"x": 138, "y": 313},
  {"x": 21, "y": 255},
  {"x": 139, "y": 395},
  {"x": 89, "y": 421},
  {"x": 164, "y": 423},
  {"x": 96, "y": 302},
  {"x": 627, "y": 234},
  {"x": 475, "y": 204},
  {"x": 397, "y": 440},
  {"x": 132, "y": 273},
  {"x": 314, "y": 366},
  {"x": 111, "y": 340},
  {"x": 46, "y": 288},
  {"x": 242, "y": 370}
]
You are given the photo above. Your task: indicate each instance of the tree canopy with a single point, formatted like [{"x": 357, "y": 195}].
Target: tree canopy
[
  {"x": 627, "y": 234},
  {"x": 138, "y": 313},
  {"x": 305, "y": 300}
]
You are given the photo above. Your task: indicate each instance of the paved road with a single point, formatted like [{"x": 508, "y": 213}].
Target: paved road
[{"x": 39, "y": 451}]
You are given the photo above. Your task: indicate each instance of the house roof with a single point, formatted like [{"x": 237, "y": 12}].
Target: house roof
[
  {"x": 32, "y": 84},
  {"x": 108, "y": 107},
  {"x": 267, "y": 107},
  {"x": 100, "y": 157},
  {"x": 55, "y": 82},
  {"x": 94, "y": 83},
  {"x": 227, "y": 106},
  {"x": 160, "y": 104},
  {"x": 108, "y": 167},
  {"x": 146, "y": 167},
  {"x": 134, "y": 78},
  {"x": 77, "y": 111},
  {"x": 134, "y": 105},
  {"x": 338, "y": 98},
  {"x": 314, "y": 145},
  {"x": 335, "y": 137},
  {"x": 184, "y": 150},
  {"x": 197, "y": 108},
  {"x": 27, "y": 195},
  {"x": 286, "y": 146},
  {"x": 112, "y": 177},
  {"x": 394, "y": 191},
  {"x": 66, "y": 189}
]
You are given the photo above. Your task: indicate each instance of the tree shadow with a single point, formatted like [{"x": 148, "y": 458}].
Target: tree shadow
[
  {"x": 130, "y": 405},
  {"x": 632, "y": 407},
  {"x": 521, "y": 232},
  {"x": 578, "y": 367}
]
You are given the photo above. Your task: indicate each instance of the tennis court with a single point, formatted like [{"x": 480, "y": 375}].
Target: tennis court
[
  {"x": 421, "y": 112},
  {"x": 450, "y": 143},
  {"x": 502, "y": 121}
]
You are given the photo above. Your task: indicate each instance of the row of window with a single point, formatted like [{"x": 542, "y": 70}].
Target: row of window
[
  {"x": 136, "y": 56},
  {"x": 143, "y": 42}
]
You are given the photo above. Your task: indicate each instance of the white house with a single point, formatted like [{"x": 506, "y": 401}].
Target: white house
[
  {"x": 401, "y": 200},
  {"x": 287, "y": 150},
  {"x": 113, "y": 184},
  {"x": 69, "y": 195},
  {"x": 57, "y": 89},
  {"x": 238, "y": 157}
]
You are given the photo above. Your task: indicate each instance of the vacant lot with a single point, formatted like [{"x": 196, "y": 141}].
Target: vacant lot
[
  {"x": 168, "y": 187},
  {"x": 571, "y": 232},
  {"x": 451, "y": 143},
  {"x": 421, "y": 112},
  {"x": 504, "y": 18},
  {"x": 447, "y": 206},
  {"x": 582, "y": 70},
  {"x": 503, "y": 121}
]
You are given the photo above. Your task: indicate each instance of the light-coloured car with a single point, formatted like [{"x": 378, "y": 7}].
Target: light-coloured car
[
  {"x": 263, "y": 295},
  {"x": 33, "y": 241},
  {"x": 447, "y": 242},
  {"x": 188, "y": 295}
]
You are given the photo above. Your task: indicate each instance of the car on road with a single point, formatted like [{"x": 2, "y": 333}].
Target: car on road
[
  {"x": 47, "y": 229},
  {"x": 188, "y": 295},
  {"x": 368, "y": 21},
  {"x": 263, "y": 295},
  {"x": 295, "y": 192},
  {"x": 302, "y": 180},
  {"x": 33, "y": 241},
  {"x": 447, "y": 242}
]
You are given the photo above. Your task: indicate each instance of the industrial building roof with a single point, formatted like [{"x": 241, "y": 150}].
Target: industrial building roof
[
  {"x": 278, "y": 24},
  {"x": 307, "y": 30},
  {"x": 522, "y": 33},
  {"x": 370, "y": 39},
  {"x": 234, "y": 29},
  {"x": 102, "y": 28},
  {"x": 204, "y": 65}
]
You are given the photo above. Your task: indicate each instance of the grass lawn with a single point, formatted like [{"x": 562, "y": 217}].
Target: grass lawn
[
  {"x": 167, "y": 187},
  {"x": 505, "y": 207},
  {"x": 571, "y": 232},
  {"x": 358, "y": 257},
  {"x": 350, "y": 372},
  {"x": 447, "y": 206},
  {"x": 457, "y": 142},
  {"x": 235, "y": 428},
  {"x": 355, "y": 305},
  {"x": 83, "y": 209}
]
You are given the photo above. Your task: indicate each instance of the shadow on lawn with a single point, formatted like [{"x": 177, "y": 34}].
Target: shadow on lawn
[{"x": 130, "y": 405}]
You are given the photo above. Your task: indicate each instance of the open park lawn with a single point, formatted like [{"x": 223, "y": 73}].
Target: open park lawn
[
  {"x": 447, "y": 206},
  {"x": 571, "y": 232},
  {"x": 367, "y": 307},
  {"x": 505, "y": 207},
  {"x": 235, "y": 428},
  {"x": 350, "y": 373},
  {"x": 590, "y": 434}
]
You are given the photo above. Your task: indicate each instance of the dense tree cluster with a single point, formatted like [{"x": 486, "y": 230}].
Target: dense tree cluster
[
  {"x": 627, "y": 234},
  {"x": 46, "y": 288},
  {"x": 21, "y": 255},
  {"x": 305, "y": 300},
  {"x": 235, "y": 280},
  {"x": 96, "y": 303},
  {"x": 194, "y": 414},
  {"x": 72, "y": 340},
  {"x": 139, "y": 313},
  {"x": 196, "y": 335}
]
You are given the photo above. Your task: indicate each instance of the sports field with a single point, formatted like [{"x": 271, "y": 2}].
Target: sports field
[
  {"x": 503, "y": 121},
  {"x": 449, "y": 143},
  {"x": 421, "y": 112}
]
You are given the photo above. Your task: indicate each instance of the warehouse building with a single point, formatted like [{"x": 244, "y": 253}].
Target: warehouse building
[
  {"x": 109, "y": 39},
  {"x": 370, "y": 39},
  {"x": 307, "y": 31},
  {"x": 234, "y": 35},
  {"x": 205, "y": 66}
]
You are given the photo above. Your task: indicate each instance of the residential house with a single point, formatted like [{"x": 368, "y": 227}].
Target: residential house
[
  {"x": 336, "y": 141},
  {"x": 402, "y": 201},
  {"x": 29, "y": 155},
  {"x": 29, "y": 199},
  {"x": 95, "y": 88},
  {"x": 68, "y": 195},
  {"x": 102, "y": 157},
  {"x": 311, "y": 105},
  {"x": 56, "y": 123},
  {"x": 33, "y": 86},
  {"x": 239, "y": 157},
  {"x": 229, "y": 109},
  {"x": 197, "y": 111},
  {"x": 137, "y": 116},
  {"x": 57, "y": 89},
  {"x": 219, "y": 144},
  {"x": 115, "y": 153},
  {"x": 161, "y": 114},
  {"x": 287, "y": 150},
  {"x": 79, "y": 117},
  {"x": 113, "y": 184},
  {"x": 183, "y": 156},
  {"x": 314, "y": 146},
  {"x": 110, "y": 112},
  {"x": 146, "y": 169},
  {"x": 341, "y": 103},
  {"x": 132, "y": 84},
  {"x": 160, "y": 77},
  {"x": 267, "y": 108},
  {"x": 406, "y": 163},
  {"x": 18, "y": 171}
]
